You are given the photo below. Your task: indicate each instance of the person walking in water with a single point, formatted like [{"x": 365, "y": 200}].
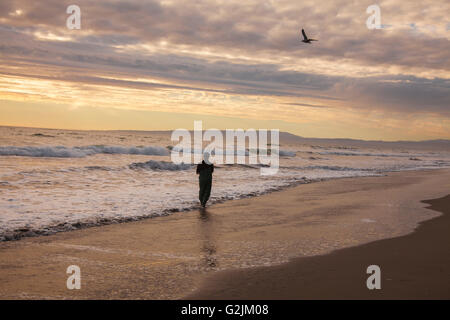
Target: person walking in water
[{"x": 205, "y": 171}]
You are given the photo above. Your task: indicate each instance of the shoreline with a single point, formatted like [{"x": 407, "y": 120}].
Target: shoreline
[
  {"x": 80, "y": 225},
  {"x": 413, "y": 266},
  {"x": 25, "y": 232},
  {"x": 170, "y": 257}
]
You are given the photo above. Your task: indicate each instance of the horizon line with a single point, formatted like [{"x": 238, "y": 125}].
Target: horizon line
[{"x": 169, "y": 130}]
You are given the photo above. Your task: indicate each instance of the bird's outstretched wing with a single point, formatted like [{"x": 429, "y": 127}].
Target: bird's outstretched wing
[
  {"x": 304, "y": 35},
  {"x": 313, "y": 40}
]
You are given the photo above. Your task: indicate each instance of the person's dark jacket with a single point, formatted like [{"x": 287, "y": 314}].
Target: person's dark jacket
[{"x": 204, "y": 166}]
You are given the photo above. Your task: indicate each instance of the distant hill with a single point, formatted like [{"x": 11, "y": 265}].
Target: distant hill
[{"x": 440, "y": 144}]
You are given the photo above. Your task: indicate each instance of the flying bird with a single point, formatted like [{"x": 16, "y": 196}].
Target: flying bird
[{"x": 306, "y": 39}]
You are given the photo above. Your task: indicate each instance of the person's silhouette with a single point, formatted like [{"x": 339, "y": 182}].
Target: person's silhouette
[{"x": 205, "y": 171}]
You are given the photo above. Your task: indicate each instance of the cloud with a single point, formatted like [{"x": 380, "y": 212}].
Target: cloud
[
  {"x": 401, "y": 94},
  {"x": 240, "y": 48},
  {"x": 306, "y": 105}
]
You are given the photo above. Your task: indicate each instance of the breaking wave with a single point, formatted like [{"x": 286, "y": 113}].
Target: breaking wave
[
  {"x": 79, "y": 152},
  {"x": 286, "y": 153},
  {"x": 241, "y": 152},
  {"x": 160, "y": 165},
  {"x": 367, "y": 154},
  {"x": 338, "y": 168}
]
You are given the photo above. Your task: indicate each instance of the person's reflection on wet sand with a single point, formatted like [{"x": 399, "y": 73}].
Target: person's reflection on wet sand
[{"x": 207, "y": 237}]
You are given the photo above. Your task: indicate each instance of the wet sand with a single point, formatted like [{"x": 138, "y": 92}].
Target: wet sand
[
  {"x": 415, "y": 266},
  {"x": 200, "y": 253}
]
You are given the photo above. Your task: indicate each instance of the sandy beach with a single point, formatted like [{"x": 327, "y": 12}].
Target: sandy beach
[
  {"x": 310, "y": 241},
  {"x": 414, "y": 266}
]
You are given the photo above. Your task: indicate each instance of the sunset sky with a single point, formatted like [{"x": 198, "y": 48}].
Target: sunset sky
[{"x": 152, "y": 65}]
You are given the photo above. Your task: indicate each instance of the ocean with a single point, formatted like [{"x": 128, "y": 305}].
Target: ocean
[{"x": 55, "y": 180}]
